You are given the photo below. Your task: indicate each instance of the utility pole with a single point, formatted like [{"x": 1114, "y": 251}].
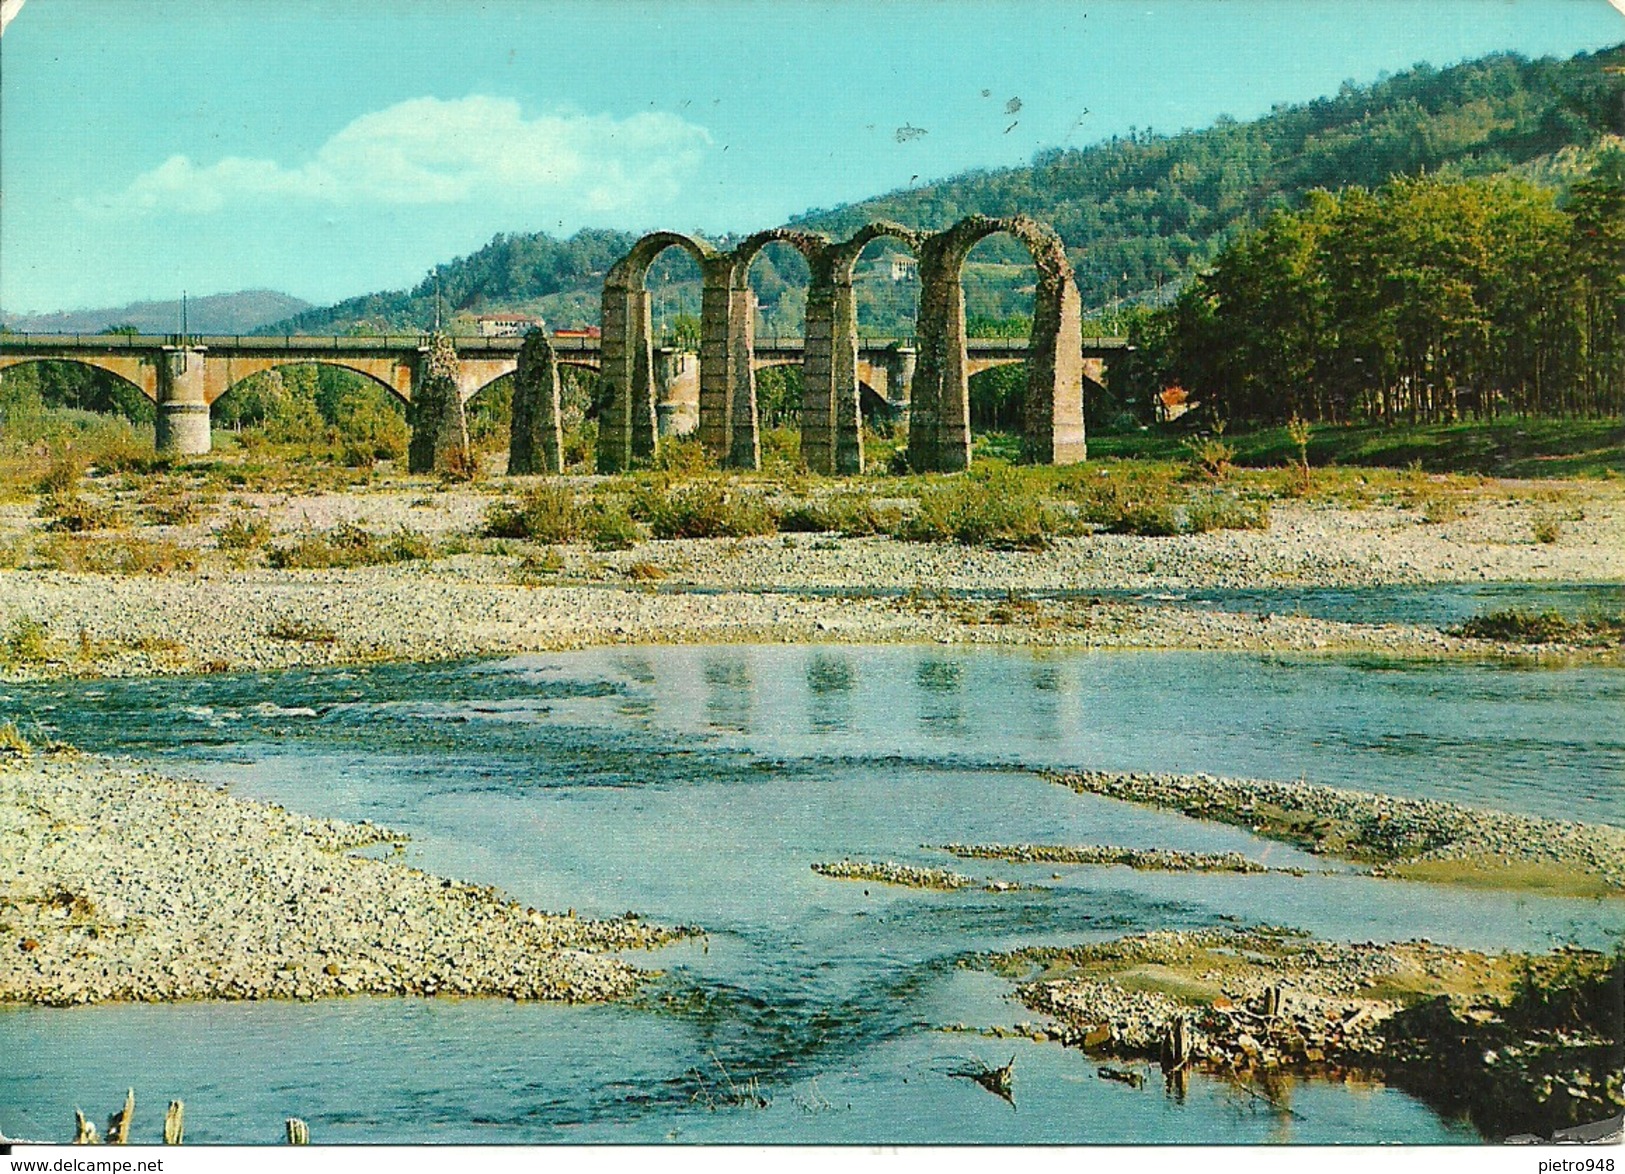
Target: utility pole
[
  {"x": 437, "y": 299},
  {"x": 184, "y": 325}
]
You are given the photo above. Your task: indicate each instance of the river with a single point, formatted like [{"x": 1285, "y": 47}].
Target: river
[{"x": 699, "y": 785}]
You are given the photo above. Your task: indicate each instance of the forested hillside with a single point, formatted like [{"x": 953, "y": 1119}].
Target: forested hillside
[{"x": 1139, "y": 213}]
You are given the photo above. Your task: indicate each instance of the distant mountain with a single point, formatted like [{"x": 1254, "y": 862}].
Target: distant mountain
[
  {"x": 233, "y": 313},
  {"x": 1139, "y": 214}
]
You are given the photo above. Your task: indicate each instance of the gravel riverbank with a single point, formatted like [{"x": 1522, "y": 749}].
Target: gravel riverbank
[
  {"x": 222, "y": 616},
  {"x": 122, "y": 884},
  {"x": 1424, "y": 839}
]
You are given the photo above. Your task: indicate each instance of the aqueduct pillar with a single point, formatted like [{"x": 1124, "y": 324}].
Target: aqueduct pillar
[
  {"x": 536, "y": 439},
  {"x": 939, "y": 401},
  {"x": 626, "y": 422},
  {"x": 831, "y": 426},
  {"x": 439, "y": 424},
  {"x": 183, "y": 404}
]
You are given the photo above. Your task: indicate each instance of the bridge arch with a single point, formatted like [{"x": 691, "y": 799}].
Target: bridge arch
[
  {"x": 139, "y": 371},
  {"x": 1052, "y": 408},
  {"x": 627, "y": 427},
  {"x": 235, "y": 371},
  {"x": 816, "y": 406}
]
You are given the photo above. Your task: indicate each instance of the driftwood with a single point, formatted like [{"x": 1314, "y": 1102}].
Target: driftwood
[
  {"x": 1121, "y": 1075},
  {"x": 118, "y": 1125},
  {"x": 1176, "y": 1045},
  {"x": 175, "y": 1123},
  {"x": 998, "y": 1081},
  {"x": 84, "y": 1133}
]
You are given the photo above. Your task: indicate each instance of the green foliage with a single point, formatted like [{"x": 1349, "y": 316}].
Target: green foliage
[
  {"x": 547, "y": 514},
  {"x": 348, "y": 545},
  {"x": 1516, "y": 626},
  {"x": 1002, "y": 509},
  {"x": 26, "y": 641},
  {"x": 1424, "y": 300},
  {"x": 853, "y": 515},
  {"x": 704, "y": 510},
  {"x": 243, "y": 532}
]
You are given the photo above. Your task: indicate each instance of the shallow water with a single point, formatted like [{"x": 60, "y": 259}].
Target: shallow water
[{"x": 699, "y": 784}]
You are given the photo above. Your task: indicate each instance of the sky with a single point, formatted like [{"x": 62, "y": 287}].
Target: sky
[{"x": 327, "y": 148}]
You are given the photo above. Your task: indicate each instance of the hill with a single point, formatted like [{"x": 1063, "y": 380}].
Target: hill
[
  {"x": 1139, "y": 213},
  {"x": 233, "y": 313}
]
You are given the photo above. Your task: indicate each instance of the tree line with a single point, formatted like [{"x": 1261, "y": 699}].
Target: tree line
[{"x": 1425, "y": 300}]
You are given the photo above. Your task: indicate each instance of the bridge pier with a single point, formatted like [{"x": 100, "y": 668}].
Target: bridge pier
[
  {"x": 831, "y": 418},
  {"x": 536, "y": 437},
  {"x": 183, "y": 404},
  {"x": 439, "y": 425},
  {"x": 939, "y": 400},
  {"x": 900, "y": 364}
]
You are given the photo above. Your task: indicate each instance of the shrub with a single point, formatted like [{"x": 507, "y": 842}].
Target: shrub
[
  {"x": 1547, "y": 529},
  {"x": 1211, "y": 457},
  {"x": 27, "y": 641},
  {"x": 707, "y": 511},
  {"x": 125, "y": 555},
  {"x": 349, "y": 545},
  {"x": 243, "y": 532},
  {"x": 13, "y": 743},
  {"x": 548, "y": 514},
  {"x": 1148, "y": 520},
  {"x": 1222, "y": 513},
  {"x": 62, "y": 476},
  {"x": 1548, "y": 627},
  {"x": 685, "y": 455},
  {"x": 609, "y": 527},
  {"x": 1001, "y": 511},
  {"x": 301, "y": 631},
  {"x": 853, "y": 515},
  {"x": 75, "y": 515}
]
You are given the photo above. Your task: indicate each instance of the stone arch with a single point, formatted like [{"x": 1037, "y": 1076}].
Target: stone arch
[
  {"x": 139, "y": 370},
  {"x": 1052, "y": 410},
  {"x": 626, "y": 429},
  {"x": 845, "y": 398},
  {"x": 742, "y": 440},
  {"x": 234, "y": 371}
]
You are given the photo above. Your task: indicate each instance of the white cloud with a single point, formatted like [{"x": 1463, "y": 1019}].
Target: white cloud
[{"x": 426, "y": 152}]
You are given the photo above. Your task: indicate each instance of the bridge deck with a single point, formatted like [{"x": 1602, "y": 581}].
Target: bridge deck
[{"x": 468, "y": 344}]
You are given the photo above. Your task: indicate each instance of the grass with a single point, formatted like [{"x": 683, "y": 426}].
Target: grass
[
  {"x": 1535, "y": 447},
  {"x": 27, "y": 641},
  {"x": 704, "y": 509},
  {"x": 348, "y": 545},
  {"x": 301, "y": 632},
  {"x": 1515, "y": 626},
  {"x": 1487, "y": 872}
]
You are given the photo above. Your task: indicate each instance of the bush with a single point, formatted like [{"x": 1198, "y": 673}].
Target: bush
[
  {"x": 243, "y": 532},
  {"x": 1003, "y": 511},
  {"x": 1515, "y": 626},
  {"x": 27, "y": 641},
  {"x": 853, "y": 515},
  {"x": 62, "y": 476},
  {"x": 609, "y": 527},
  {"x": 75, "y": 515},
  {"x": 117, "y": 556},
  {"x": 547, "y": 514},
  {"x": 1547, "y": 529},
  {"x": 1223, "y": 513},
  {"x": 1211, "y": 457},
  {"x": 348, "y": 545},
  {"x": 705, "y": 511},
  {"x": 684, "y": 455}
]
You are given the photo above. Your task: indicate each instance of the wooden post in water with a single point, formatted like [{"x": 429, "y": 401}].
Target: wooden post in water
[
  {"x": 84, "y": 1133},
  {"x": 118, "y": 1125},
  {"x": 298, "y": 1132},
  {"x": 175, "y": 1123}
]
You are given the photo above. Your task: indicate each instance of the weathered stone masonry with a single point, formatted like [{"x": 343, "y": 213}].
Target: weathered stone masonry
[{"x": 939, "y": 414}]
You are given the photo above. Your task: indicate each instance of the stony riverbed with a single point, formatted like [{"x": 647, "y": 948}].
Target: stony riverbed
[{"x": 120, "y": 884}]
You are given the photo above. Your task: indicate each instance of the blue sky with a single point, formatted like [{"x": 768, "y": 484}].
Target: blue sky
[{"x": 333, "y": 147}]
